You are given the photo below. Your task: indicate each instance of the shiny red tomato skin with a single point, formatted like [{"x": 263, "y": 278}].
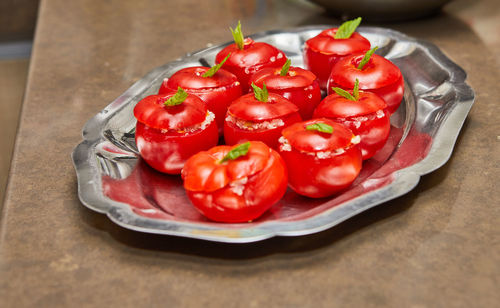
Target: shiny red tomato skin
[
  {"x": 168, "y": 151},
  {"x": 318, "y": 178},
  {"x": 360, "y": 117},
  {"x": 217, "y": 91},
  {"x": 253, "y": 57},
  {"x": 234, "y": 135},
  {"x": 379, "y": 76},
  {"x": 315, "y": 177},
  {"x": 261, "y": 191},
  {"x": 249, "y": 109},
  {"x": 299, "y": 86},
  {"x": 323, "y": 51}
]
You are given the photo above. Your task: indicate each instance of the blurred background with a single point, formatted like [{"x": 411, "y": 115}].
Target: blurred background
[{"x": 18, "y": 28}]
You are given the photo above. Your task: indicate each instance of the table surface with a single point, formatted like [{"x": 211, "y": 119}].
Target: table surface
[{"x": 435, "y": 246}]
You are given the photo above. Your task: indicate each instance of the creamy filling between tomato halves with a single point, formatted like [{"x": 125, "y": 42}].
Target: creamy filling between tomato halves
[
  {"x": 286, "y": 147},
  {"x": 193, "y": 128},
  {"x": 249, "y": 125}
]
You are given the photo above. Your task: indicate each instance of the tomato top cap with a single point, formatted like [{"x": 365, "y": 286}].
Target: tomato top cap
[
  {"x": 296, "y": 78},
  {"x": 336, "y": 106},
  {"x": 248, "y": 108},
  {"x": 153, "y": 112},
  {"x": 204, "y": 172},
  {"x": 311, "y": 140},
  {"x": 191, "y": 78}
]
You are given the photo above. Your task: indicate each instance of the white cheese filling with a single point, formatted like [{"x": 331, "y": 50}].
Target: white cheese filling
[
  {"x": 193, "y": 128},
  {"x": 248, "y": 125},
  {"x": 286, "y": 147}
]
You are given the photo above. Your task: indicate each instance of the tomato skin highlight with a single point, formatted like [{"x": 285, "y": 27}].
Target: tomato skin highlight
[
  {"x": 379, "y": 76},
  {"x": 299, "y": 86},
  {"x": 367, "y": 118},
  {"x": 249, "y": 110},
  {"x": 166, "y": 136},
  {"x": 253, "y": 57},
  {"x": 314, "y": 176},
  {"x": 323, "y": 51},
  {"x": 217, "y": 91},
  {"x": 257, "y": 191}
]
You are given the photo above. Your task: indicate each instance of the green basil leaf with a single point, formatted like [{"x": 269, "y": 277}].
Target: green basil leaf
[
  {"x": 347, "y": 29},
  {"x": 344, "y": 94},
  {"x": 355, "y": 91},
  {"x": 178, "y": 98},
  {"x": 260, "y": 94},
  {"x": 238, "y": 36},
  {"x": 320, "y": 127},
  {"x": 285, "y": 68},
  {"x": 367, "y": 57},
  {"x": 216, "y": 67},
  {"x": 238, "y": 151}
]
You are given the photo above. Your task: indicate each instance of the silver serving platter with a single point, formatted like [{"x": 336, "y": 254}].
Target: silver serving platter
[{"x": 113, "y": 180}]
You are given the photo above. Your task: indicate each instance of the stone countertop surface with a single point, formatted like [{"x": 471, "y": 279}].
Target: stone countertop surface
[{"x": 437, "y": 246}]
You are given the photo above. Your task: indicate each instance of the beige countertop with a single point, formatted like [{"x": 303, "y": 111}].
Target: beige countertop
[{"x": 437, "y": 246}]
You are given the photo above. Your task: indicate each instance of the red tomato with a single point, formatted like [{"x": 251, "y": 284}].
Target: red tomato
[
  {"x": 379, "y": 76},
  {"x": 217, "y": 91},
  {"x": 250, "y": 119},
  {"x": 253, "y": 57},
  {"x": 167, "y": 136},
  {"x": 320, "y": 164},
  {"x": 323, "y": 51},
  {"x": 299, "y": 86},
  {"x": 238, "y": 190},
  {"x": 365, "y": 117}
]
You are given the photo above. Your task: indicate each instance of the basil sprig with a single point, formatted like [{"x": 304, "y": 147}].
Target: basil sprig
[
  {"x": 178, "y": 98},
  {"x": 238, "y": 151},
  {"x": 347, "y": 29}
]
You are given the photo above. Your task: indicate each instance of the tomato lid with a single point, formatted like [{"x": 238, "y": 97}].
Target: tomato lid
[
  {"x": 336, "y": 106},
  {"x": 296, "y": 78},
  {"x": 192, "y": 78},
  {"x": 152, "y": 112},
  {"x": 252, "y": 54},
  {"x": 378, "y": 72},
  {"x": 248, "y": 108},
  {"x": 305, "y": 140},
  {"x": 327, "y": 44},
  {"x": 204, "y": 172}
]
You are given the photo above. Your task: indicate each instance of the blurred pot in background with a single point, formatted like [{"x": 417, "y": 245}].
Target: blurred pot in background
[{"x": 382, "y": 10}]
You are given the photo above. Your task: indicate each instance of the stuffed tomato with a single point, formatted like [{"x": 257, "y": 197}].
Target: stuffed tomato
[
  {"x": 324, "y": 50},
  {"x": 247, "y": 57},
  {"x": 215, "y": 86},
  {"x": 364, "y": 113},
  {"x": 171, "y": 128},
  {"x": 235, "y": 184},
  {"x": 298, "y": 85},
  {"x": 375, "y": 74},
  {"x": 321, "y": 155},
  {"x": 259, "y": 116}
]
